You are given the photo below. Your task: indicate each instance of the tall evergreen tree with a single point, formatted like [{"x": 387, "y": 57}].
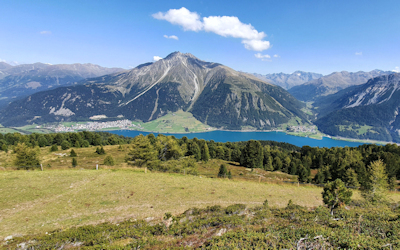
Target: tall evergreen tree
[
  {"x": 375, "y": 189},
  {"x": 205, "y": 154},
  {"x": 142, "y": 152},
  {"x": 252, "y": 155}
]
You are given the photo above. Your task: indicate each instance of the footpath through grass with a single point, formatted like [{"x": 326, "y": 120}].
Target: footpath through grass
[{"x": 37, "y": 202}]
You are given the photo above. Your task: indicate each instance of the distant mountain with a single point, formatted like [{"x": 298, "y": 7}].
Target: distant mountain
[
  {"x": 288, "y": 81},
  {"x": 22, "y": 80},
  {"x": 368, "y": 111},
  {"x": 215, "y": 94},
  {"x": 332, "y": 83}
]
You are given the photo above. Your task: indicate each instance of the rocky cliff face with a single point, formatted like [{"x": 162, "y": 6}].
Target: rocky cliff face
[{"x": 215, "y": 94}]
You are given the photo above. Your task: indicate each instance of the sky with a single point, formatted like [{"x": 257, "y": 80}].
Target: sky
[{"x": 321, "y": 36}]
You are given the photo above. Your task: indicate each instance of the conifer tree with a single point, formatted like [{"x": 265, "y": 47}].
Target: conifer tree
[
  {"x": 72, "y": 153},
  {"x": 74, "y": 162},
  {"x": 336, "y": 194},
  {"x": 205, "y": 154},
  {"x": 26, "y": 157},
  {"x": 223, "y": 171},
  {"x": 374, "y": 190},
  {"x": 142, "y": 152}
]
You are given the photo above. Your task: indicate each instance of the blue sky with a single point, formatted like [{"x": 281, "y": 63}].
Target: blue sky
[{"x": 263, "y": 37}]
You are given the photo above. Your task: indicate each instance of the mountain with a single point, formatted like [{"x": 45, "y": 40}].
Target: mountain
[
  {"x": 368, "y": 111},
  {"x": 288, "y": 81},
  {"x": 332, "y": 83},
  {"x": 22, "y": 80},
  {"x": 215, "y": 94}
]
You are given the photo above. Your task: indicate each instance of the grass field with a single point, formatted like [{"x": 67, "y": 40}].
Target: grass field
[
  {"x": 35, "y": 201},
  {"x": 178, "y": 122},
  {"x": 38, "y": 202}
]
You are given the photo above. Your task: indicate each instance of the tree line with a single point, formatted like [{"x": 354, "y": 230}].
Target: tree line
[{"x": 347, "y": 164}]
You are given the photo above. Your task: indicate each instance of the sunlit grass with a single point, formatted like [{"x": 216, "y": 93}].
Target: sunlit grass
[{"x": 36, "y": 201}]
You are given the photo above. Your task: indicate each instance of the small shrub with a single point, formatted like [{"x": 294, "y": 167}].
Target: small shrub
[
  {"x": 109, "y": 161},
  {"x": 54, "y": 148},
  {"x": 265, "y": 203},
  {"x": 72, "y": 153},
  {"x": 100, "y": 151},
  {"x": 65, "y": 145},
  {"x": 74, "y": 162},
  {"x": 235, "y": 209}
]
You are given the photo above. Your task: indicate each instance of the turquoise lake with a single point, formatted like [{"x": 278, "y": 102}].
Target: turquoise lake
[{"x": 225, "y": 136}]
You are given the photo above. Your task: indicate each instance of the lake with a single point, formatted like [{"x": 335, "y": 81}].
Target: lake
[{"x": 233, "y": 136}]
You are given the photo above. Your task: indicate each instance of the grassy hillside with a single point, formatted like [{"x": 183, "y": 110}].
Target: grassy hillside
[
  {"x": 35, "y": 201},
  {"x": 178, "y": 122}
]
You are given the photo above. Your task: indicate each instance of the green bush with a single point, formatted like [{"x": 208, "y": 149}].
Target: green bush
[
  {"x": 53, "y": 148},
  {"x": 109, "y": 161},
  {"x": 235, "y": 209}
]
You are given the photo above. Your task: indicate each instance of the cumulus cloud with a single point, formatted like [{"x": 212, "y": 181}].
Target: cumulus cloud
[
  {"x": 277, "y": 56},
  {"x": 263, "y": 57},
  {"x": 396, "y": 69},
  {"x": 156, "y": 58},
  {"x": 226, "y": 26},
  {"x": 183, "y": 17},
  {"x": 171, "y": 37},
  {"x": 231, "y": 26},
  {"x": 256, "y": 45},
  {"x": 45, "y": 32},
  {"x": 358, "y": 53}
]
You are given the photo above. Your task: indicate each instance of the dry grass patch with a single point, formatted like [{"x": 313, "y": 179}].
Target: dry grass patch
[{"x": 35, "y": 201}]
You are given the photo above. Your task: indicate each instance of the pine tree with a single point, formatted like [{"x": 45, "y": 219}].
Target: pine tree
[
  {"x": 74, "y": 162},
  {"x": 26, "y": 157},
  {"x": 223, "y": 171},
  {"x": 374, "y": 190},
  {"x": 54, "y": 148},
  {"x": 142, "y": 152},
  {"x": 252, "y": 155},
  {"x": 72, "y": 153},
  {"x": 205, "y": 154},
  {"x": 269, "y": 166},
  {"x": 336, "y": 194}
]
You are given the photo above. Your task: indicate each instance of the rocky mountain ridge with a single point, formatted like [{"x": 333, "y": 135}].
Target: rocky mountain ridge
[
  {"x": 213, "y": 93},
  {"x": 332, "y": 83},
  {"x": 374, "y": 106},
  {"x": 288, "y": 81},
  {"x": 22, "y": 80}
]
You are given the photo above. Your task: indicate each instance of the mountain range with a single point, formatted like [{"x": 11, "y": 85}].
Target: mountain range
[
  {"x": 367, "y": 111},
  {"x": 332, "y": 83},
  {"x": 25, "y": 79},
  {"x": 288, "y": 81},
  {"x": 215, "y": 94}
]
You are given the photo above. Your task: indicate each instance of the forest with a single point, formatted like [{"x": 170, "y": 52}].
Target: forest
[{"x": 348, "y": 164}]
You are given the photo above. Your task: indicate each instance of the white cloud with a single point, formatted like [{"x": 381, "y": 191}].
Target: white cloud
[
  {"x": 358, "y": 53},
  {"x": 171, "y": 37},
  {"x": 396, "y": 69},
  {"x": 257, "y": 45},
  {"x": 156, "y": 58},
  {"x": 226, "y": 26},
  {"x": 230, "y": 26},
  {"x": 45, "y": 32},
  {"x": 277, "y": 56},
  {"x": 183, "y": 17},
  {"x": 263, "y": 57}
]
